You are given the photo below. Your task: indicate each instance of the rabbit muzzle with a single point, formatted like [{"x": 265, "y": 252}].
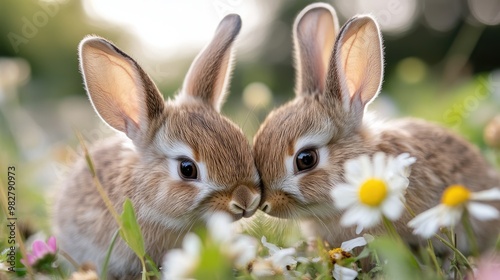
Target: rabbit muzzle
[{"x": 244, "y": 202}]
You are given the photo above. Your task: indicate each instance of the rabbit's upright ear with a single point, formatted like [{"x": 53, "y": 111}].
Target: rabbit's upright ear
[
  {"x": 121, "y": 92},
  {"x": 314, "y": 33},
  {"x": 356, "y": 69},
  {"x": 208, "y": 76}
]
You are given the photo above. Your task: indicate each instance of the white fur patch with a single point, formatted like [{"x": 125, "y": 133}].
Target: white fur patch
[
  {"x": 178, "y": 150},
  {"x": 315, "y": 139},
  {"x": 183, "y": 98}
]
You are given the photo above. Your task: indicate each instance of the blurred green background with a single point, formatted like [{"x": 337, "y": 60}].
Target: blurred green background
[{"x": 442, "y": 64}]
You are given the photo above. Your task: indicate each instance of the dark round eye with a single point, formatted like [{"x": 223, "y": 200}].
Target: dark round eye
[
  {"x": 188, "y": 170},
  {"x": 306, "y": 159}
]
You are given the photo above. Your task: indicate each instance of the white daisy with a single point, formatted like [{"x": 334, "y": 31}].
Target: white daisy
[
  {"x": 239, "y": 248},
  {"x": 338, "y": 254},
  {"x": 276, "y": 263},
  {"x": 373, "y": 188},
  {"x": 454, "y": 201},
  {"x": 182, "y": 263}
]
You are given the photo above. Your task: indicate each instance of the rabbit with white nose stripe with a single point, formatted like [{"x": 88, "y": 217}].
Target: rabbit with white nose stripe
[
  {"x": 179, "y": 161},
  {"x": 301, "y": 148}
]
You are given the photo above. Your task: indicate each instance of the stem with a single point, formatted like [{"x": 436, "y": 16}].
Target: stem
[
  {"x": 455, "y": 250},
  {"x": 391, "y": 230},
  {"x": 144, "y": 270},
  {"x": 104, "y": 270},
  {"x": 470, "y": 234},
  {"x": 59, "y": 271},
  {"x": 97, "y": 183},
  {"x": 412, "y": 213},
  {"x": 460, "y": 50},
  {"x": 154, "y": 267},
  {"x": 69, "y": 258},
  {"x": 430, "y": 249}
]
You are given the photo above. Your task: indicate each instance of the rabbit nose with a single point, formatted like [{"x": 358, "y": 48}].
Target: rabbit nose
[
  {"x": 244, "y": 202},
  {"x": 266, "y": 207}
]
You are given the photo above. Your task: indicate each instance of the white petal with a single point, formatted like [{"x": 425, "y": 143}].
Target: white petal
[
  {"x": 271, "y": 247},
  {"x": 482, "y": 211},
  {"x": 343, "y": 273},
  {"x": 393, "y": 207},
  {"x": 180, "y": 264},
  {"x": 398, "y": 182},
  {"x": 303, "y": 260},
  {"x": 284, "y": 257},
  {"x": 372, "y": 217},
  {"x": 450, "y": 216},
  {"x": 359, "y": 229},
  {"x": 401, "y": 164},
  {"x": 379, "y": 165},
  {"x": 220, "y": 227},
  {"x": 352, "y": 216},
  {"x": 353, "y": 243},
  {"x": 368, "y": 237},
  {"x": 243, "y": 250},
  {"x": 487, "y": 195},
  {"x": 344, "y": 196},
  {"x": 191, "y": 244},
  {"x": 364, "y": 216},
  {"x": 353, "y": 172},
  {"x": 366, "y": 167},
  {"x": 405, "y": 159},
  {"x": 426, "y": 223}
]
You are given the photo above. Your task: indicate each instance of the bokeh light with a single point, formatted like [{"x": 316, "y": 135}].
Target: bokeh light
[
  {"x": 485, "y": 11},
  {"x": 257, "y": 96},
  {"x": 411, "y": 70}
]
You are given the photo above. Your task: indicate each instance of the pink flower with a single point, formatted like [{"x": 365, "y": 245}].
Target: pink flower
[
  {"x": 488, "y": 268},
  {"x": 39, "y": 250}
]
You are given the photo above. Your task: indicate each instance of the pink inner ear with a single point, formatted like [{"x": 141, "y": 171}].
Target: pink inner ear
[
  {"x": 361, "y": 59},
  {"x": 315, "y": 30},
  {"x": 114, "y": 87}
]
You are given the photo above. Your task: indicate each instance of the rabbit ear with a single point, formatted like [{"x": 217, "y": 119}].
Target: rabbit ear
[
  {"x": 314, "y": 33},
  {"x": 356, "y": 68},
  {"x": 208, "y": 77},
  {"x": 121, "y": 92}
]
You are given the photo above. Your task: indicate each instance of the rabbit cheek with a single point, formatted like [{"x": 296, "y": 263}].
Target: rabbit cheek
[
  {"x": 314, "y": 187},
  {"x": 180, "y": 198},
  {"x": 279, "y": 204}
]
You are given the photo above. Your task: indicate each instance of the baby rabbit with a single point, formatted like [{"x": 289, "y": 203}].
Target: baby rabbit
[
  {"x": 180, "y": 161},
  {"x": 301, "y": 147}
]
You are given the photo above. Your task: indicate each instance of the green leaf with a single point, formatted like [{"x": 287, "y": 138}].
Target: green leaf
[
  {"x": 399, "y": 261},
  {"x": 130, "y": 230}
]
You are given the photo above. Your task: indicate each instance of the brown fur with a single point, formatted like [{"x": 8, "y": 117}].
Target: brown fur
[
  {"x": 352, "y": 81},
  {"x": 144, "y": 167}
]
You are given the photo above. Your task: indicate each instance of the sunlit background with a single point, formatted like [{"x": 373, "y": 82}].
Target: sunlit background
[{"x": 442, "y": 64}]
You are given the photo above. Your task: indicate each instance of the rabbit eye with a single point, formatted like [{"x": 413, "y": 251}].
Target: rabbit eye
[
  {"x": 306, "y": 159},
  {"x": 188, "y": 170}
]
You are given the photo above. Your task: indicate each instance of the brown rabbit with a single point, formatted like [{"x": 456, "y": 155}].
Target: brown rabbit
[
  {"x": 301, "y": 148},
  {"x": 180, "y": 161}
]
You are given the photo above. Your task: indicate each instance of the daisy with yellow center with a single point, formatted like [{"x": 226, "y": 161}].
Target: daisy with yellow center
[
  {"x": 373, "y": 188},
  {"x": 454, "y": 201},
  {"x": 341, "y": 269}
]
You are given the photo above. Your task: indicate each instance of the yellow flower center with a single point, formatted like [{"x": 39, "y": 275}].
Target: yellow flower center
[
  {"x": 455, "y": 195},
  {"x": 372, "y": 192},
  {"x": 337, "y": 255}
]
